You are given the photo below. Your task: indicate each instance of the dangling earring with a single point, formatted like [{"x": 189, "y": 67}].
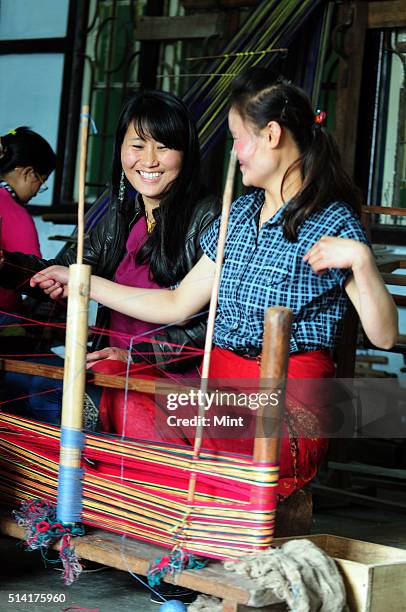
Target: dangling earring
[{"x": 121, "y": 191}]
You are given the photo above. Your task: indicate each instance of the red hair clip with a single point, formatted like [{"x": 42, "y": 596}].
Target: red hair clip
[{"x": 320, "y": 117}]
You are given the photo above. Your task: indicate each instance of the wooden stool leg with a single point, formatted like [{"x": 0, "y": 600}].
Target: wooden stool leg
[
  {"x": 294, "y": 516},
  {"x": 230, "y": 606}
]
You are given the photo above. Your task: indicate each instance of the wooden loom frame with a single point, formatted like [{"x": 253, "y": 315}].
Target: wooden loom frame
[
  {"x": 274, "y": 363},
  {"x": 105, "y": 547}
]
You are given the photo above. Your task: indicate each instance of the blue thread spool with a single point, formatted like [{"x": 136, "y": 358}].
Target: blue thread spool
[{"x": 173, "y": 605}]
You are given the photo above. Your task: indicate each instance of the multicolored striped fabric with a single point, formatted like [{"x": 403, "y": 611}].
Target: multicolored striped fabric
[{"x": 139, "y": 489}]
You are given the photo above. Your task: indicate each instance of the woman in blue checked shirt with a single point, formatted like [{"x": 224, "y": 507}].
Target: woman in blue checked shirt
[{"x": 295, "y": 241}]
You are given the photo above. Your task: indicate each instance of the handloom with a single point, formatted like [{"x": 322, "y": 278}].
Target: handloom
[
  {"x": 125, "y": 490},
  {"x": 219, "y": 505},
  {"x": 140, "y": 488}
]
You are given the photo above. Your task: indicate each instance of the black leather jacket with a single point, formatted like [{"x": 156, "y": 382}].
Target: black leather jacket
[{"x": 104, "y": 249}]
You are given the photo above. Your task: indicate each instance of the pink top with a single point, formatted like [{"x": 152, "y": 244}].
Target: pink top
[
  {"x": 132, "y": 274},
  {"x": 18, "y": 233}
]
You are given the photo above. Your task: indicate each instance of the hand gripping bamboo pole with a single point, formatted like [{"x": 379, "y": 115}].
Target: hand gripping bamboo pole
[{"x": 69, "y": 504}]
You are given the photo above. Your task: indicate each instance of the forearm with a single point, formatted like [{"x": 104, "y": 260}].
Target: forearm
[
  {"x": 374, "y": 303},
  {"x": 153, "y": 305}
]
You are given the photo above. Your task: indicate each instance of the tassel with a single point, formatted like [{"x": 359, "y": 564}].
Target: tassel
[
  {"x": 172, "y": 564},
  {"x": 38, "y": 517}
]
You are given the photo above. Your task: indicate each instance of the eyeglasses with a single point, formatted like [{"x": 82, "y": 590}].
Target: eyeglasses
[{"x": 43, "y": 185}]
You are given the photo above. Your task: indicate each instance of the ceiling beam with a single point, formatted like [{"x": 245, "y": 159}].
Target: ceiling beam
[{"x": 387, "y": 14}]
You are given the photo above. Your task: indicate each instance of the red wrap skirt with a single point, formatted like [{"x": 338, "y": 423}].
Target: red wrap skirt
[{"x": 307, "y": 413}]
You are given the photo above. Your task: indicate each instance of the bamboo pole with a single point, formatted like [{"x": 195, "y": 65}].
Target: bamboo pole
[
  {"x": 69, "y": 503},
  {"x": 82, "y": 183},
  {"x": 225, "y": 213}
]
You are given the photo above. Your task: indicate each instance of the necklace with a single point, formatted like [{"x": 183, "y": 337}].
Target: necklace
[
  {"x": 150, "y": 223},
  {"x": 7, "y": 187}
]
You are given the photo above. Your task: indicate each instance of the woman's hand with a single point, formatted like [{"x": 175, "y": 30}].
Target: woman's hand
[
  {"x": 334, "y": 252},
  {"x": 53, "y": 281},
  {"x": 109, "y": 352},
  {"x": 365, "y": 287}
]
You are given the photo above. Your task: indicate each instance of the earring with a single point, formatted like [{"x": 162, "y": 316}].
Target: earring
[{"x": 121, "y": 191}]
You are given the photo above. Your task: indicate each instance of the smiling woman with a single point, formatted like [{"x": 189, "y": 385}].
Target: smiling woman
[
  {"x": 150, "y": 166},
  {"x": 149, "y": 238}
]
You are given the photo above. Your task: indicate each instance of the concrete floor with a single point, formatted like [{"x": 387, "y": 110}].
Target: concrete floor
[
  {"x": 111, "y": 590},
  {"x": 106, "y": 591}
]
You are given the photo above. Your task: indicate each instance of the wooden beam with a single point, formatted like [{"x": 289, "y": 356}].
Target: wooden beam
[
  {"x": 384, "y": 210},
  {"x": 349, "y": 81},
  {"x": 96, "y": 378},
  {"x": 400, "y": 300},
  {"x": 390, "y": 262},
  {"x": 107, "y": 548},
  {"x": 351, "y": 53},
  {"x": 394, "y": 279},
  {"x": 364, "y": 500},
  {"x": 364, "y": 468},
  {"x": 203, "y": 25},
  {"x": 387, "y": 14},
  {"x": 372, "y": 359},
  {"x": 274, "y": 364},
  {"x": 217, "y": 4}
]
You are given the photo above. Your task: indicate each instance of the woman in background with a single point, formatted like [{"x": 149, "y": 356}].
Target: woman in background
[{"x": 26, "y": 161}]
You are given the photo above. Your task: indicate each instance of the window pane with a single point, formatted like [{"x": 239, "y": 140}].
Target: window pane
[
  {"x": 33, "y": 19},
  {"x": 32, "y": 97}
]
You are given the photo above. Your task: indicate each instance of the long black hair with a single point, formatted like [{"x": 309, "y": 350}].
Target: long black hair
[
  {"x": 24, "y": 147},
  {"x": 165, "y": 118},
  {"x": 260, "y": 98}
]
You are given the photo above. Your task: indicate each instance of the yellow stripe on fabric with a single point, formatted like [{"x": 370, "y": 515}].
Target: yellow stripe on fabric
[{"x": 140, "y": 509}]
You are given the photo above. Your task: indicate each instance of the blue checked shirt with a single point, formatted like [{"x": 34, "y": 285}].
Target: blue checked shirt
[{"x": 266, "y": 269}]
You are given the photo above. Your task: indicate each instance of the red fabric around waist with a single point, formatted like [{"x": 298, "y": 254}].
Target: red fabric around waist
[
  {"x": 306, "y": 406},
  {"x": 137, "y": 414},
  {"x": 313, "y": 364}
]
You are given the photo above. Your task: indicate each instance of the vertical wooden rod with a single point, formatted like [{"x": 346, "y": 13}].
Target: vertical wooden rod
[
  {"x": 274, "y": 365},
  {"x": 69, "y": 503},
  {"x": 82, "y": 182},
  {"x": 225, "y": 213}
]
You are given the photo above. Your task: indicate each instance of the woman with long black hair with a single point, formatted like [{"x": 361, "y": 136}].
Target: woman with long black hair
[{"x": 149, "y": 237}]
